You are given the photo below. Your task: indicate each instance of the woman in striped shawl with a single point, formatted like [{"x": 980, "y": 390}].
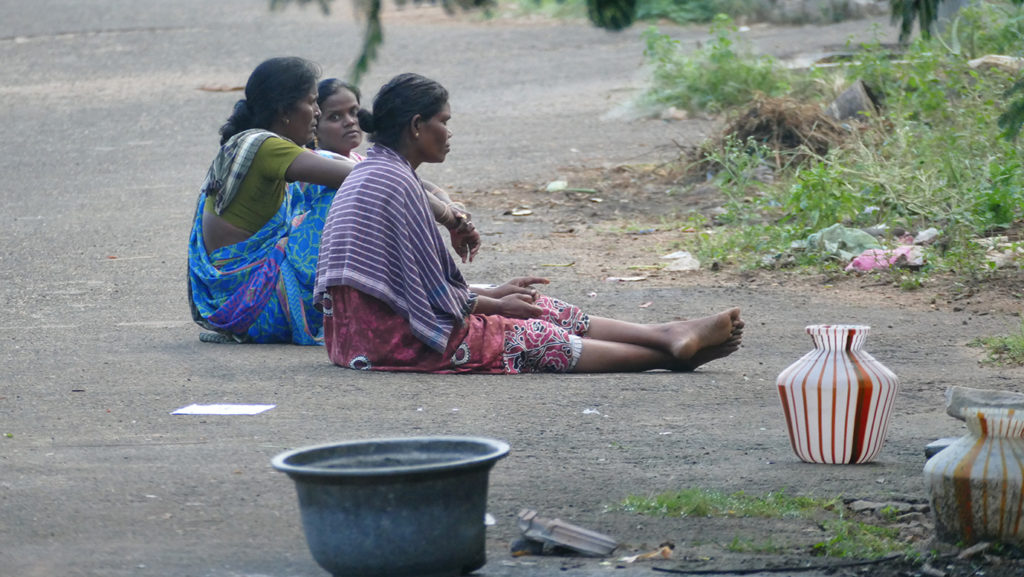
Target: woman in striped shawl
[{"x": 394, "y": 299}]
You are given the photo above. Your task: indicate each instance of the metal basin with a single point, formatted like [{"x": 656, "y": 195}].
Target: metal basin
[{"x": 394, "y": 507}]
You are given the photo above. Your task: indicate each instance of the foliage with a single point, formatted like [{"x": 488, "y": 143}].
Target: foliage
[
  {"x": 611, "y": 14},
  {"x": 608, "y": 14},
  {"x": 859, "y": 540},
  {"x": 931, "y": 159},
  {"x": 1006, "y": 350},
  {"x": 373, "y": 33},
  {"x": 846, "y": 537},
  {"x": 720, "y": 75},
  {"x": 924, "y": 12},
  {"x": 695, "y": 502},
  {"x": 681, "y": 12},
  {"x": 906, "y": 12},
  {"x": 744, "y": 545},
  {"x": 820, "y": 196},
  {"x": 973, "y": 35},
  {"x": 572, "y": 9}
]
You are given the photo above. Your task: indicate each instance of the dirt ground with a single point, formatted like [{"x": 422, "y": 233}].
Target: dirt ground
[
  {"x": 97, "y": 348},
  {"x": 619, "y": 221},
  {"x": 608, "y": 233}
]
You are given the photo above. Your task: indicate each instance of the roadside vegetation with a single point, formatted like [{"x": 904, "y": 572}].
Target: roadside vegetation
[
  {"x": 843, "y": 535},
  {"x": 1003, "y": 350},
  {"x": 933, "y": 156},
  {"x": 935, "y": 150},
  {"x": 694, "y": 11}
]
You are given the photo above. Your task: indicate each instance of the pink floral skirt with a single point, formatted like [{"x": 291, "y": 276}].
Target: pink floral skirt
[{"x": 362, "y": 332}]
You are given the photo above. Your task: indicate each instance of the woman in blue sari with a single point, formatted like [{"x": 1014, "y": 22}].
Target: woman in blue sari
[
  {"x": 252, "y": 255},
  {"x": 255, "y": 237}
]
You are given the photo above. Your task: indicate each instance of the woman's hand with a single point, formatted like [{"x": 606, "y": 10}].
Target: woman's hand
[
  {"x": 519, "y": 306},
  {"x": 522, "y": 285},
  {"x": 465, "y": 239}
]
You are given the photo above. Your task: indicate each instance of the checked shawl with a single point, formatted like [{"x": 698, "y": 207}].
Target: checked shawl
[{"x": 228, "y": 169}]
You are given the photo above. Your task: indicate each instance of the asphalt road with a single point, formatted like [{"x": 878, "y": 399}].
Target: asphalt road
[{"x": 108, "y": 133}]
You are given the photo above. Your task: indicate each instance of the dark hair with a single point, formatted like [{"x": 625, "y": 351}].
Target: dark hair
[
  {"x": 398, "y": 101},
  {"x": 328, "y": 87},
  {"x": 273, "y": 87}
]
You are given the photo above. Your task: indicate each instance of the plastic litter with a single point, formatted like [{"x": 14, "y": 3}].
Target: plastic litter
[
  {"x": 664, "y": 551},
  {"x": 558, "y": 533},
  {"x": 684, "y": 262},
  {"x": 907, "y": 256},
  {"x": 838, "y": 240}
]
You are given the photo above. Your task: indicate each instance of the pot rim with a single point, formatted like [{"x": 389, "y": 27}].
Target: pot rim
[
  {"x": 835, "y": 327},
  {"x": 498, "y": 450}
]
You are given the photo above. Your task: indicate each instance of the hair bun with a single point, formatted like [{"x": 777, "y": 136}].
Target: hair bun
[{"x": 366, "y": 121}]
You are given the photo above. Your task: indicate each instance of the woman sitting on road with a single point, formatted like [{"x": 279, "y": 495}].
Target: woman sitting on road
[
  {"x": 244, "y": 265},
  {"x": 394, "y": 299},
  {"x": 338, "y": 134},
  {"x": 254, "y": 241}
]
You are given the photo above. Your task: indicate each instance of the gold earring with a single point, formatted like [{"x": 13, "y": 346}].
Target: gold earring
[{"x": 417, "y": 135}]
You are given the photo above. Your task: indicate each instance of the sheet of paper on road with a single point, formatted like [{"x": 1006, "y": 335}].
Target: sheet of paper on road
[{"x": 223, "y": 409}]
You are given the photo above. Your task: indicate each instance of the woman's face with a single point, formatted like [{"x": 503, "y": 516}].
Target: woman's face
[
  {"x": 338, "y": 130},
  {"x": 432, "y": 142},
  {"x": 299, "y": 123}
]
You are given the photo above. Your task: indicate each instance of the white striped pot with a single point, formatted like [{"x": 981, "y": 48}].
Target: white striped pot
[
  {"x": 975, "y": 484},
  {"x": 837, "y": 399}
]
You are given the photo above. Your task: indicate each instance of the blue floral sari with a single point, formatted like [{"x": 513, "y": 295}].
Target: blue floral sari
[{"x": 261, "y": 290}]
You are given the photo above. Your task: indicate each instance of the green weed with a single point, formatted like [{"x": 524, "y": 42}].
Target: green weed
[
  {"x": 846, "y": 538},
  {"x": 859, "y": 540},
  {"x": 708, "y": 503},
  {"x": 560, "y": 9},
  {"x": 745, "y": 545},
  {"x": 720, "y": 75},
  {"x": 1005, "y": 350}
]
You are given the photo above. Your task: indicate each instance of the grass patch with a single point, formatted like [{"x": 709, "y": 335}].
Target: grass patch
[
  {"x": 859, "y": 540},
  {"x": 846, "y": 537},
  {"x": 1006, "y": 350},
  {"x": 696, "y": 502}
]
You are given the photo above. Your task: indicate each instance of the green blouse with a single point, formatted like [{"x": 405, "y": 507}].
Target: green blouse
[{"x": 262, "y": 190}]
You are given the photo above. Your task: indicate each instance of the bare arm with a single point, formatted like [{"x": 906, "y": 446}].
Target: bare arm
[
  {"x": 454, "y": 217},
  {"x": 446, "y": 213},
  {"x": 518, "y": 285},
  {"x": 518, "y": 306},
  {"x": 316, "y": 169}
]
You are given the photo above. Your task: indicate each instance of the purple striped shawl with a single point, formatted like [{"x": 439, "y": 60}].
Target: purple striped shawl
[{"x": 381, "y": 239}]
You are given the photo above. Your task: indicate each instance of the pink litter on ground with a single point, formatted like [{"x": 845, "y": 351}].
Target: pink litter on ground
[{"x": 875, "y": 258}]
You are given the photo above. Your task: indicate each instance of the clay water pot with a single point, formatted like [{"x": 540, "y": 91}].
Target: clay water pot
[
  {"x": 975, "y": 484},
  {"x": 837, "y": 399}
]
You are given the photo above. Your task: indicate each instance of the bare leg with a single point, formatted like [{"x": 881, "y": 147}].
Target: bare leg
[
  {"x": 618, "y": 346},
  {"x": 611, "y": 357}
]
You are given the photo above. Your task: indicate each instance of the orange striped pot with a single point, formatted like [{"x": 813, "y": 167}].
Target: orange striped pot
[
  {"x": 837, "y": 399},
  {"x": 975, "y": 485}
]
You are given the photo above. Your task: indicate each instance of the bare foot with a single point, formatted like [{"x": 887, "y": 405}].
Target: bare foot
[
  {"x": 708, "y": 354},
  {"x": 688, "y": 338}
]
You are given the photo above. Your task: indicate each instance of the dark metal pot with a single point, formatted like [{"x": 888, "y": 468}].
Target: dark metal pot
[{"x": 394, "y": 507}]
